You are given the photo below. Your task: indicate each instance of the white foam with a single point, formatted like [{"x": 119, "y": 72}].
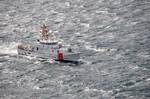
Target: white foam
[
  {"x": 100, "y": 49},
  {"x": 36, "y": 87},
  {"x": 78, "y": 33},
  {"x": 29, "y": 57},
  {"x": 103, "y": 92},
  {"x": 148, "y": 79},
  {"x": 106, "y": 93},
  {"x": 135, "y": 67},
  {"x": 89, "y": 47},
  {"x": 8, "y": 71},
  {"x": 85, "y": 25},
  {"x": 91, "y": 89},
  {"x": 143, "y": 55},
  {"x": 86, "y": 89},
  {"x": 36, "y": 62},
  {"x": 9, "y": 49}
]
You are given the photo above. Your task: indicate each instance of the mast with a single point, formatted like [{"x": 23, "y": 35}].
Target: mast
[
  {"x": 45, "y": 35},
  {"x": 44, "y": 32}
]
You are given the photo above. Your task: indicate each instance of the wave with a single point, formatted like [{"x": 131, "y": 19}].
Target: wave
[{"x": 9, "y": 49}]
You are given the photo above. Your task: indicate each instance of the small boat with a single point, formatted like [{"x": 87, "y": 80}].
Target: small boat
[{"x": 48, "y": 47}]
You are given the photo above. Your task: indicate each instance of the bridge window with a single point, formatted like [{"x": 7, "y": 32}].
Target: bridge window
[{"x": 37, "y": 48}]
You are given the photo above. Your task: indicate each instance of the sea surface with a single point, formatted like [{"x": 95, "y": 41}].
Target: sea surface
[{"x": 113, "y": 37}]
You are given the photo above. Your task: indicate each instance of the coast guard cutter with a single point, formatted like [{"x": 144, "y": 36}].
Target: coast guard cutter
[{"x": 48, "y": 47}]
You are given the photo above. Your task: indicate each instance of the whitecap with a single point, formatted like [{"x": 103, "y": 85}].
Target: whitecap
[
  {"x": 148, "y": 79},
  {"x": 86, "y": 89},
  {"x": 9, "y": 49},
  {"x": 36, "y": 87},
  {"x": 89, "y": 47},
  {"x": 29, "y": 57}
]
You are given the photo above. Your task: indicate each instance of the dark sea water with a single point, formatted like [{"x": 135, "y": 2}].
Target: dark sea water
[{"x": 113, "y": 37}]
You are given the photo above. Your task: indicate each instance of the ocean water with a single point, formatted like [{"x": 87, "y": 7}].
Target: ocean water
[{"x": 113, "y": 37}]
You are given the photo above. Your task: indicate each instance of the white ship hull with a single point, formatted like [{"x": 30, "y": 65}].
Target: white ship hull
[{"x": 49, "y": 52}]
